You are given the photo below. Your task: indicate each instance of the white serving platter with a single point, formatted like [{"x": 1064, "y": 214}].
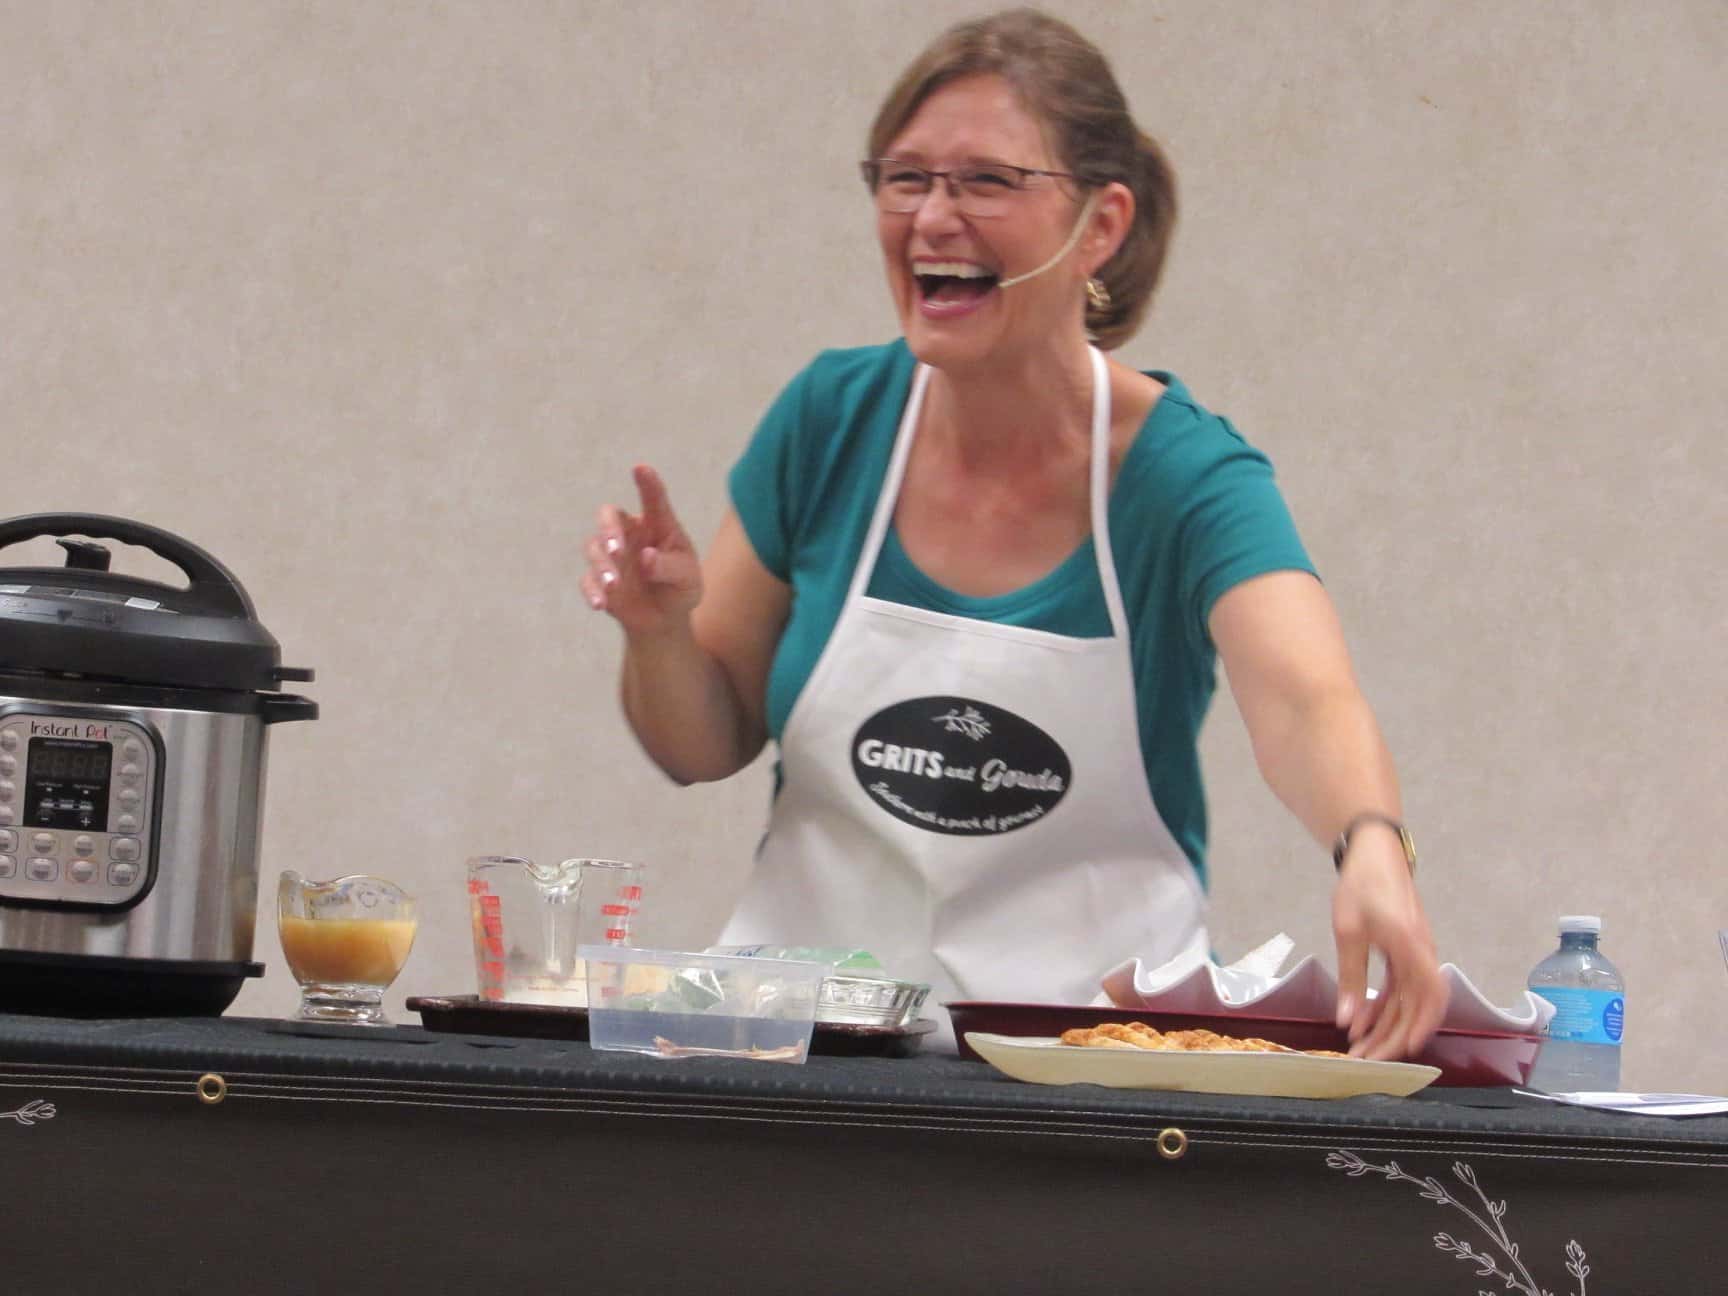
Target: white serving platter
[{"x": 1262, "y": 1075}]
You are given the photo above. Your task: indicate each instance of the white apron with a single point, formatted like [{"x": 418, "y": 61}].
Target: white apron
[{"x": 967, "y": 800}]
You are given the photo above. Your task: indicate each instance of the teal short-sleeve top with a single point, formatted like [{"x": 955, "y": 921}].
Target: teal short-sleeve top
[{"x": 1194, "y": 511}]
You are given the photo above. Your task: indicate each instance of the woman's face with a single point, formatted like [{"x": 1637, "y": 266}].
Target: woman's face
[{"x": 943, "y": 266}]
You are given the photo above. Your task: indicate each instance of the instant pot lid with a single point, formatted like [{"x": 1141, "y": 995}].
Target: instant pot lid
[{"x": 82, "y": 619}]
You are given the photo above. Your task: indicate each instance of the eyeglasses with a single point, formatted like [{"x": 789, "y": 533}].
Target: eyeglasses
[{"x": 982, "y": 190}]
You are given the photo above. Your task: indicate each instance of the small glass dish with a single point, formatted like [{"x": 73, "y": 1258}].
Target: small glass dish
[
  {"x": 345, "y": 941},
  {"x": 869, "y": 1000}
]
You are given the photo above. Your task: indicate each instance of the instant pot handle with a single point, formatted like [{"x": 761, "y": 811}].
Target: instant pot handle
[
  {"x": 281, "y": 708},
  {"x": 213, "y": 589}
]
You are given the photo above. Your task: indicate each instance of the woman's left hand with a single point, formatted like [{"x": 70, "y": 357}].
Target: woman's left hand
[
  {"x": 1320, "y": 749},
  {"x": 1375, "y": 907}
]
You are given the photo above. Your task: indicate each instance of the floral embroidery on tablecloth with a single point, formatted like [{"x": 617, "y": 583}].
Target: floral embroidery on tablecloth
[
  {"x": 1489, "y": 1220},
  {"x": 31, "y": 1112}
]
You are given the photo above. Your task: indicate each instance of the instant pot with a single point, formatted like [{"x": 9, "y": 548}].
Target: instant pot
[{"x": 133, "y": 724}]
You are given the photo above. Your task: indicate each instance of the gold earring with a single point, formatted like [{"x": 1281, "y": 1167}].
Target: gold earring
[{"x": 1097, "y": 295}]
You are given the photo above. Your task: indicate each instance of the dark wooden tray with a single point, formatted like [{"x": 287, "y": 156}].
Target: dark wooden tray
[{"x": 472, "y": 1015}]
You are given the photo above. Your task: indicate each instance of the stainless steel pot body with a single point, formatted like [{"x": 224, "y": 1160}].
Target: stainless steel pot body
[{"x": 201, "y": 900}]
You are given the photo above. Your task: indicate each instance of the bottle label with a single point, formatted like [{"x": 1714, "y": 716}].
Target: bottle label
[{"x": 1585, "y": 1016}]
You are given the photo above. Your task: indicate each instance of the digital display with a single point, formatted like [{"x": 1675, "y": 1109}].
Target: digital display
[
  {"x": 66, "y": 784},
  {"x": 84, "y": 763}
]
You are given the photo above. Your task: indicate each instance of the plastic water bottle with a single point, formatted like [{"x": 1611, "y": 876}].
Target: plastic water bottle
[{"x": 1582, "y": 1051}]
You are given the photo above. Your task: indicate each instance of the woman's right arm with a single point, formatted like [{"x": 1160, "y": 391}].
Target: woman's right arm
[{"x": 699, "y": 636}]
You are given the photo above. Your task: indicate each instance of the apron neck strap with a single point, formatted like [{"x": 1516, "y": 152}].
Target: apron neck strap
[
  {"x": 1101, "y": 547},
  {"x": 1099, "y": 489}
]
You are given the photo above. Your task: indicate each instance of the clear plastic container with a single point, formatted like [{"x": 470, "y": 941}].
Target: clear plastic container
[
  {"x": 666, "y": 1003},
  {"x": 1582, "y": 1051}
]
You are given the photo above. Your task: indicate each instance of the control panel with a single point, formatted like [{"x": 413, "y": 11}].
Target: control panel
[{"x": 77, "y": 803}]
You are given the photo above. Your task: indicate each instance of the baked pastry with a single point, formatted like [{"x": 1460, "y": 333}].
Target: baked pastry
[
  {"x": 1141, "y": 1036},
  {"x": 1117, "y": 1035}
]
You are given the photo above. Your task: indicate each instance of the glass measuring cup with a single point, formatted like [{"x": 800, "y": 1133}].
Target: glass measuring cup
[
  {"x": 529, "y": 919},
  {"x": 345, "y": 941}
]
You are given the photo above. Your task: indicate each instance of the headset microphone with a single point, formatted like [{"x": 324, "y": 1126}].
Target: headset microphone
[{"x": 1073, "y": 238}]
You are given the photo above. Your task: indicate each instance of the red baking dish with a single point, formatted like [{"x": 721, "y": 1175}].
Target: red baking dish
[{"x": 1467, "y": 1059}]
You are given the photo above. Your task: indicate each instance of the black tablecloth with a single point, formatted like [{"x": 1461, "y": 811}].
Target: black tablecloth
[
  {"x": 407, "y": 1059},
  {"x": 887, "y": 1161}
]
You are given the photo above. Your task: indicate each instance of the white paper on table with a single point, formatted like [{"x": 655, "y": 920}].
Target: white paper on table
[
  {"x": 1192, "y": 983},
  {"x": 1639, "y": 1104}
]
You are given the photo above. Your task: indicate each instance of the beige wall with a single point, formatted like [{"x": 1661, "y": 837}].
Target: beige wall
[{"x": 378, "y": 301}]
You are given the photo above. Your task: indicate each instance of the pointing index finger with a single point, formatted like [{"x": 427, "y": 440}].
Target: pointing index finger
[{"x": 656, "y": 504}]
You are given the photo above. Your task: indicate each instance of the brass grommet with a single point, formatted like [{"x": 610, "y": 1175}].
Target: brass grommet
[
  {"x": 1172, "y": 1144},
  {"x": 212, "y": 1088}
]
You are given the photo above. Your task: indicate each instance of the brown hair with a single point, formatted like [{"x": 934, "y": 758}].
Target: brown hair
[{"x": 1065, "y": 82}]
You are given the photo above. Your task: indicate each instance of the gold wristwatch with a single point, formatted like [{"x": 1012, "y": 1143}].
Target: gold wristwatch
[{"x": 1373, "y": 816}]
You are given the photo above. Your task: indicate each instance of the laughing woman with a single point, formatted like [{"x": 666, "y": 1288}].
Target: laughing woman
[{"x": 976, "y": 583}]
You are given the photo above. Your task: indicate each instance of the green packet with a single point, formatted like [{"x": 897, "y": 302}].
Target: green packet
[{"x": 833, "y": 955}]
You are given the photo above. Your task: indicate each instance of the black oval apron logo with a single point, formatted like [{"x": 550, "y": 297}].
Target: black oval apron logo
[{"x": 953, "y": 765}]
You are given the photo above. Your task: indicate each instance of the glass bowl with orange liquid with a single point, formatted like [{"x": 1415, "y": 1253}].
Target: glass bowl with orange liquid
[{"x": 345, "y": 941}]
